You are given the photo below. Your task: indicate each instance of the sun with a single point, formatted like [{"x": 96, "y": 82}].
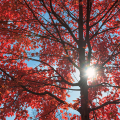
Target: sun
[{"x": 90, "y": 72}]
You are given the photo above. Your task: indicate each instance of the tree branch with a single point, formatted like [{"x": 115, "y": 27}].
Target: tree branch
[
  {"x": 44, "y": 93},
  {"x": 104, "y": 85},
  {"x": 62, "y": 22},
  {"x": 105, "y": 14},
  {"x": 106, "y": 103},
  {"x": 62, "y": 79}
]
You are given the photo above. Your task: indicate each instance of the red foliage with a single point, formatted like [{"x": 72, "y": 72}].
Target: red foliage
[{"x": 68, "y": 35}]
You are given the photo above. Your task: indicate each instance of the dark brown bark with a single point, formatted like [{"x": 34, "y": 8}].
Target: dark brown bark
[
  {"x": 83, "y": 79},
  {"x": 84, "y": 101}
]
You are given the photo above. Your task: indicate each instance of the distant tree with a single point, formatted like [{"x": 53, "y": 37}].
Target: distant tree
[{"x": 70, "y": 35}]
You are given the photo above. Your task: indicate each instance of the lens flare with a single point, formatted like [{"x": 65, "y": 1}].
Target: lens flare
[{"x": 90, "y": 72}]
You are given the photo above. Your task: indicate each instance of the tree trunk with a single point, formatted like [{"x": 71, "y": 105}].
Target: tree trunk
[
  {"x": 84, "y": 101},
  {"x": 83, "y": 79}
]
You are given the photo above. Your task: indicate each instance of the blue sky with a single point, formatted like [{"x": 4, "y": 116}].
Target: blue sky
[{"x": 73, "y": 94}]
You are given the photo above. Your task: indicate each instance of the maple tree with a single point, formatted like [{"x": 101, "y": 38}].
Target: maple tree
[{"x": 70, "y": 35}]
